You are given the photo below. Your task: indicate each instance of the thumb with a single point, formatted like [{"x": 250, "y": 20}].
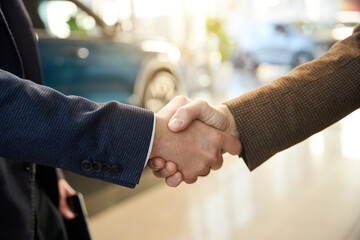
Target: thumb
[
  {"x": 184, "y": 115},
  {"x": 231, "y": 145}
]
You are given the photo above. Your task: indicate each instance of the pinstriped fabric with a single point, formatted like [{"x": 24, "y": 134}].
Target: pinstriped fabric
[
  {"x": 18, "y": 50},
  {"x": 293, "y": 107},
  {"x": 40, "y": 125},
  {"x": 21, "y": 65},
  {"x": 43, "y": 126}
]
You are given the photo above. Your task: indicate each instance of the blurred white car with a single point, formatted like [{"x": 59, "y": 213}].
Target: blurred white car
[{"x": 284, "y": 44}]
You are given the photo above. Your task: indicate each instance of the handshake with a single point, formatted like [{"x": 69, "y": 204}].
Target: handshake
[{"x": 190, "y": 138}]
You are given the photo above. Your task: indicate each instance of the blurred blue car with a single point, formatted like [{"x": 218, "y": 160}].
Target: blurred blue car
[{"x": 82, "y": 55}]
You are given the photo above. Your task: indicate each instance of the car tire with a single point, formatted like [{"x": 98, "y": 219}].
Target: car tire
[
  {"x": 159, "y": 90},
  {"x": 301, "y": 58}
]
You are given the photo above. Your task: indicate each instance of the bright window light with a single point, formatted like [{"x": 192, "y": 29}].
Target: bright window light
[{"x": 57, "y": 14}]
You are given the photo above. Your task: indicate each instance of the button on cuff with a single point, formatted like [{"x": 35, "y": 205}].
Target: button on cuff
[
  {"x": 86, "y": 165},
  {"x": 96, "y": 166},
  {"x": 116, "y": 170},
  {"x": 105, "y": 167}
]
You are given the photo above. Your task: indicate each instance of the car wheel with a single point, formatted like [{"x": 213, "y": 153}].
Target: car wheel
[
  {"x": 161, "y": 88},
  {"x": 301, "y": 58}
]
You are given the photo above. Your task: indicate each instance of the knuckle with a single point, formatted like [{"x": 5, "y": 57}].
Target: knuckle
[
  {"x": 181, "y": 99},
  {"x": 221, "y": 163},
  {"x": 157, "y": 174},
  {"x": 219, "y": 136},
  {"x": 203, "y": 164},
  {"x": 170, "y": 168},
  {"x": 154, "y": 168},
  {"x": 164, "y": 173},
  {"x": 206, "y": 172},
  {"x": 216, "y": 137},
  {"x": 213, "y": 155},
  {"x": 171, "y": 183},
  {"x": 183, "y": 112},
  {"x": 191, "y": 180},
  {"x": 218, "y": 165},
  {"x": 202, "y": 102}
]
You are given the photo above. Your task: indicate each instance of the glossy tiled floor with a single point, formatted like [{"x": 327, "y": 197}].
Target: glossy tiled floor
[{"x": 310, "y": 191}]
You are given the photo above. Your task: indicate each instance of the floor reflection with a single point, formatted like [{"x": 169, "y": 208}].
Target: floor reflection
[
  {"x": 310, "y": 191},
  {"x": 350, "y": 136}
]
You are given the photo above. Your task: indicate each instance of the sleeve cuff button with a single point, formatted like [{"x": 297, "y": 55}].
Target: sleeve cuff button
[
  {"x": 96, "y": 166},
  {"x": 105, "y": 167},
  {"x": 116, "y": 170},
  {"x": 86, "y": 165}
]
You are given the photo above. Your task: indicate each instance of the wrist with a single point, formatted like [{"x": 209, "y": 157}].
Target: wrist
[
  {"x": 157, "y": 137},
  {"x": 231, "y": 124}
]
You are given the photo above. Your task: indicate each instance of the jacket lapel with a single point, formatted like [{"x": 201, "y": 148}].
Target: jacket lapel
[{"x": 12, "y": 62}]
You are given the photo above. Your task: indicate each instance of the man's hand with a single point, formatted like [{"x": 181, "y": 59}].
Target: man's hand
[
  {"x": 218, "y": 117},
  {"x": 167, "y": 170},
  {"x": 65, "y": 191},
  {"x": 195, "y": 150}
]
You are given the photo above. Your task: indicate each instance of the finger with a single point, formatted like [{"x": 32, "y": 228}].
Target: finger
[
  {"x": 174, "y": 180},
  {"x": 156, "y": 164},
  {"x": 169, "y": 109},
  {"x": 65, "y": 210},
  {"x": 169, "y": 169},
  {"x": 218, "y": 164},
  {"x": 190, "y": 180},
  {"x": 65, "y": 191},
  {"x": 197, "y": 109},
  {"x": 205, "y": 172},
  {"x": 231, "y": 145}
]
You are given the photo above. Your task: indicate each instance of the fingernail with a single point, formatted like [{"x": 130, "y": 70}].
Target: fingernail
[
  {"x": 154, "y": 164},
  {"x": 175, "y": 123},
  {"x": 169, "y": 169},
  {"x": 177, "y": 176}
]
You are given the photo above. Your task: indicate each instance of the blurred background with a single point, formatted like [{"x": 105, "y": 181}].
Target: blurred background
[{"x": 145, "y": 52}]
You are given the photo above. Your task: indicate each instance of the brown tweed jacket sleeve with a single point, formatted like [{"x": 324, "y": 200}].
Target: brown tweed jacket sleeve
[{"x": 293, "y": 107}]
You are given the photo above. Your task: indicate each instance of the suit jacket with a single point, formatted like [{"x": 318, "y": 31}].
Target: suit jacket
[
  {"x": 293, "y": 107},
  {"x": 39, "y": 125}
]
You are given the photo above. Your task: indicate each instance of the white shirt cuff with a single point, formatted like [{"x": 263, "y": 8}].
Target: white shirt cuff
[{"x": 151, "y": 142}]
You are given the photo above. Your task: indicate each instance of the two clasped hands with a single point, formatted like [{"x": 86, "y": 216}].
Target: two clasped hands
[{"x": 190, "y": 138}]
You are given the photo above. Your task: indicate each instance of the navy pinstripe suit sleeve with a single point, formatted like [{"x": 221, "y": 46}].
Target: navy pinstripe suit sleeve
[{"x": 43, "y": 126}]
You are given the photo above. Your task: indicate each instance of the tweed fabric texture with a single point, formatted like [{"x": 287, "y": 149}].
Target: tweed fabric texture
[{"x": 291, "y": 108}]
